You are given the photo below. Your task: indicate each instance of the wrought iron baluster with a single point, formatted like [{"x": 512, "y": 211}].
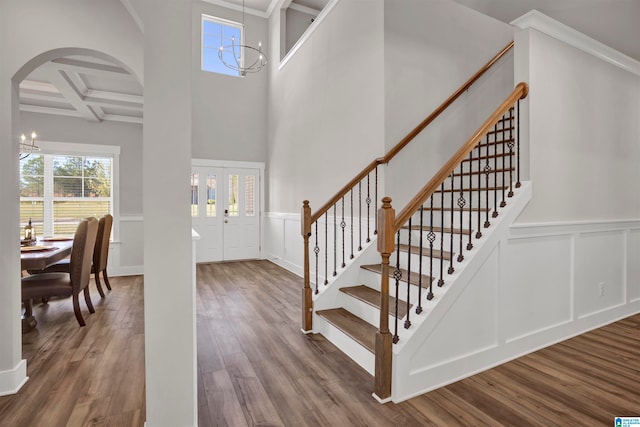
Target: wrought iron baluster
[
  {"x": 469, "y": 243},
  {"x": 495, "y": 170},
  {"x": 375, "y": 218},
  {"x": 407, "y": 322},
  {"x": 419, "y": 307},
  {"x": 351, "y": 225},
  {"x": 360, "y": 216},
  {"x": 510, "y": 144},
  {"x": 451, "y": 226},
  {"x": 479, "y": 230},
  {"x": 343, "y": 225},
  {"x": 335, "y": 241},
  {"x": 397, "y": 275},
  {"x": 461, "y": 204},
  {"x": 441, "y": 280},
  {"x": 368, "y": 201},
  {"x": 326, "y": 247},
  {"x": 487, "y": 171},
  {"x": 518, "y": 147},
  {"x": 316, "y": 250},
  {"x": 503, "y": 203},
  {"x": 431, "y": 237}
]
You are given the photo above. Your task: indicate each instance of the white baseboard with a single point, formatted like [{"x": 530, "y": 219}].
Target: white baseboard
[
  {"x": 133, "y": 270},
  {"x": 11, "y": 381}
]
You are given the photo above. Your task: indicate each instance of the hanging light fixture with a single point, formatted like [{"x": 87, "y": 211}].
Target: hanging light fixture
[
  {"x": 246, "y": 59},
  {"x": 27, "y": 148}
]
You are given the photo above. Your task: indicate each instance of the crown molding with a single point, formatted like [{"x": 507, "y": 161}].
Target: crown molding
[
  {"x": 304, "y": 9},
  {"x": 549, "y": 26},
  {"x": 233, "y": 6}
]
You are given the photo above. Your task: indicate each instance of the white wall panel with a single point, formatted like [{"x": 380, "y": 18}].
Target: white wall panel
[
  {"x": 470, "y": 325},
  {"x": 633, "y": 265},
  {"x": 535, "y": 290},
  {"x": 599, "y": 262}
]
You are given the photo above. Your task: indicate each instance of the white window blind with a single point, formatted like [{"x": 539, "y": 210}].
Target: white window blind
[{"x": 57, "y": 191}]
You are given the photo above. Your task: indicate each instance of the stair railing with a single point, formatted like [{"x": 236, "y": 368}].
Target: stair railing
[
  {"x": 492, "y": 154},
  {"x": 342, "y": 216}
]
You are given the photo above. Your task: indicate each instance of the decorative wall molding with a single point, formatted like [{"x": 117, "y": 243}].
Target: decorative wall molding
[
  {"x": 549, "y": 26},
  {"x": 131, "y": 218}
]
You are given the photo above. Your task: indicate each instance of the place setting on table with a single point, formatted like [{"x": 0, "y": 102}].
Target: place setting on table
[{"x": 37, "y": 253}]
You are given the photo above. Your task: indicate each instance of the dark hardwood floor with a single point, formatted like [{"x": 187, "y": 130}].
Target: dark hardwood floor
[{"x": 255, "y": 367}]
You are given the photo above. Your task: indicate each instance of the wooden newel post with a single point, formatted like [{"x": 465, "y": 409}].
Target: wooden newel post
[
  {"x": 384, "y": 351},
  {"x": 307, "y": 300}
]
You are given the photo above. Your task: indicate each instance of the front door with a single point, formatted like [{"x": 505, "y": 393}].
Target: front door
[{"x": 225, "y": 212}]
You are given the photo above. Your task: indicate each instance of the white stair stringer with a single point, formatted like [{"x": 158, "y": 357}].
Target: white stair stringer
[{"x": 435, "y": 351}]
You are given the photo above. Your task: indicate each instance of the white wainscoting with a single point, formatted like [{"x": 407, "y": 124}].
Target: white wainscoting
[
  {"x": 283, "y": 241},
  {"x": 542, "y": 284},
  {"x": 126, "y": 256}
]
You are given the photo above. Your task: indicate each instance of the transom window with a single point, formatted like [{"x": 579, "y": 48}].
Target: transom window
[{"x": 218, "y": 32}]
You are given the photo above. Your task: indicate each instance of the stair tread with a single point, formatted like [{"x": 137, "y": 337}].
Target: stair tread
[
  {"x": 414, "y": 278},
  {"x": 361, "y": 331},
  {"x": 372, "y": 297},
  {"x": 439, "y": 229},
  {"x": 425, "y": 250}
]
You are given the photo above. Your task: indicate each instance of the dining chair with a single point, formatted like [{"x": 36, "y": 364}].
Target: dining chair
[
  {"x": 100, "y": 256},
  {"x": 62, "y": 284},
  {"x": 101, "y": 252}
]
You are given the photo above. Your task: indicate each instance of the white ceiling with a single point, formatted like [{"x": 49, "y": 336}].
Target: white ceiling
[{"x": 97, "y": 90}]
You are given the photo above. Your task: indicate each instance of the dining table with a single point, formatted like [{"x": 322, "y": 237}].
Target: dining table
[{"x": 45, "y": 252}]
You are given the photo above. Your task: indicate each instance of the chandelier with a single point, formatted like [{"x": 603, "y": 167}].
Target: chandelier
[
  {"x": 246, "y": 59},
  {"x": 27, "y": 148}
]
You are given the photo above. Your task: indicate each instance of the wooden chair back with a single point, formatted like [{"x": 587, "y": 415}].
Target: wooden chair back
[
  {"x": 82, "y": 253},
  {"x": 101, "y": 253}
]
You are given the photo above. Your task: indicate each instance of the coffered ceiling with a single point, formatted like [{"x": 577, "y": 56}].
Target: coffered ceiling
[
  {"x": 97, "y": 90},
  {"x": 85, "y": 87}
]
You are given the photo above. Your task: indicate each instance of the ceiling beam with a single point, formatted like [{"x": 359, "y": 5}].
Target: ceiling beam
[
  {"x": 78, "y": 66},
  {"x": 64, "y": 84}
]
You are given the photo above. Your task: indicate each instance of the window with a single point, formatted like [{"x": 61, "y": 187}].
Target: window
[
  {"x": 58, "y": 190},
  {"x": 218, "y": 32}
]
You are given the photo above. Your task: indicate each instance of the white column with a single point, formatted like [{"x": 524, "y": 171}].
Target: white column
[
  {"x": 13, "y": 370},
  {"x": 168, "y": 292}
]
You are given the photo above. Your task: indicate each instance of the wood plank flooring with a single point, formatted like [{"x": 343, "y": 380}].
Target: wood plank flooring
[{"x": 255, "y": 367}]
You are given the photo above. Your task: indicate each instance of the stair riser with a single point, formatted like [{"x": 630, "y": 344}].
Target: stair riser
[
  {"x": 415, "y": 264},
  {"x": 363, "y": 310},
  {"x": 346, "y": 344},
  {"x": 372, "y": 280},
  {"x": 415, "y": 240}
]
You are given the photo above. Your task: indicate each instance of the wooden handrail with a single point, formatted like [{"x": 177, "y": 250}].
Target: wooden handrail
[
  {"x": 344, "y": 190},
  {"x": 395, "y": 150},
  {"x": 410, "y": 136},
  {"x": 520, "y": 92}
]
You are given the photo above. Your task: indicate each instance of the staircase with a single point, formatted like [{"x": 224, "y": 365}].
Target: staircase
[{"x": 377, "y": 285}]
